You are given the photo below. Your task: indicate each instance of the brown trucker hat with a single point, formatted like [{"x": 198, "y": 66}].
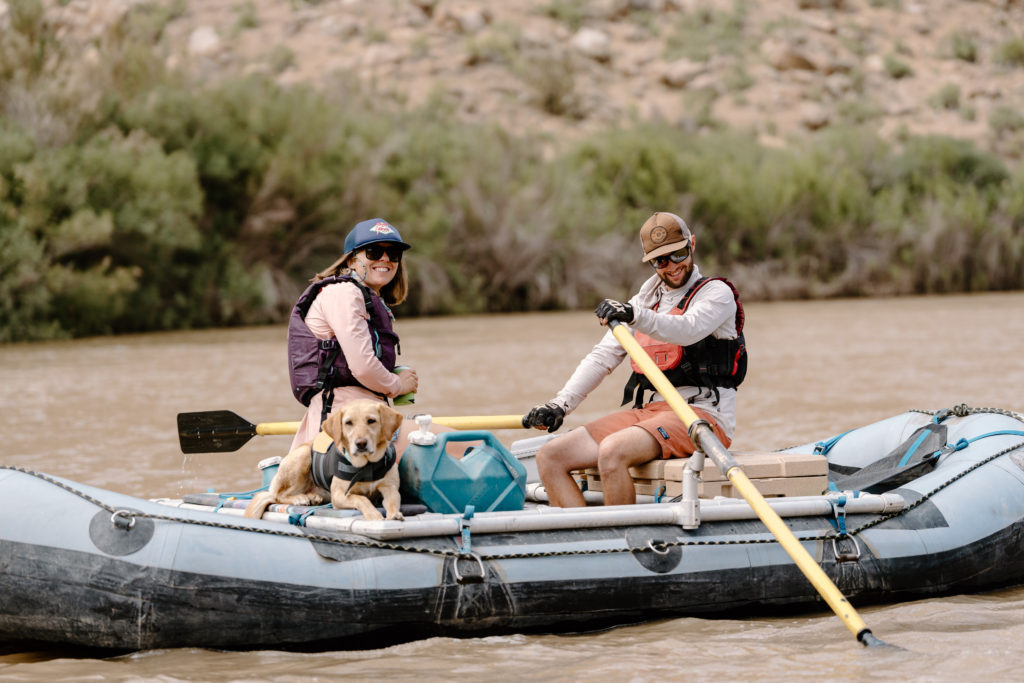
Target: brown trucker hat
[{"x": 662, "y": 234}]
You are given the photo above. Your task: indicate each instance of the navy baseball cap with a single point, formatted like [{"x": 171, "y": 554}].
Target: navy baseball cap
[{"x": 371, "y": 231}]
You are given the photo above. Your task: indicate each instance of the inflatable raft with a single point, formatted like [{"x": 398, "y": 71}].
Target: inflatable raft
[{"x": 920, "y": 504}]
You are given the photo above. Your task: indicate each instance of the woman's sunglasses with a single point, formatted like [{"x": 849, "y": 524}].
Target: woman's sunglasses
[
  {"x": 677, "y": 256},
  {"x": 375, "y": 251}
]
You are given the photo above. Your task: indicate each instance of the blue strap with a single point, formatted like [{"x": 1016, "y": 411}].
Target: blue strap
[
  {"x": 839, "y": 510},
  {"x": 964, "y": 443},
  {"x": 299, "y": 518},
  {"x": 823, "y": 447},
  {"x": 659, "y": 494},
  {"x": 464, "y": 523},
  {"x": 913, "y": 448}
]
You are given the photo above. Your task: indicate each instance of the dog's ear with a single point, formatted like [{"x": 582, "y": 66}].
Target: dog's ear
[
  {"x": 332, "y": 425},
  {"x": 390, "y": 420}
]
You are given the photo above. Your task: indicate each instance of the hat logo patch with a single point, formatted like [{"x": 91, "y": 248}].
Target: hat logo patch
[
  {"x": 382, "y": 228},
  {"x": 658, "y": 235}
]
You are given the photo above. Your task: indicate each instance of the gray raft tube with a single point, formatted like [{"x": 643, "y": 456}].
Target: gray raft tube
[{"x": 544, "y": 518}]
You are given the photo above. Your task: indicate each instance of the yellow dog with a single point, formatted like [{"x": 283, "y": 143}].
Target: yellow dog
[{"x": 351, "y": 460}]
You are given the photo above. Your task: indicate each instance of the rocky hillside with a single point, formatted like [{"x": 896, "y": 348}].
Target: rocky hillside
[{"x": 781, "y": 68}]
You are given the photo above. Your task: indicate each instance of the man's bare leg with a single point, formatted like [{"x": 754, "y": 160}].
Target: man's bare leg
[
  {"x": 617, "y": 453},
  {"x": 575, "y": 450}
]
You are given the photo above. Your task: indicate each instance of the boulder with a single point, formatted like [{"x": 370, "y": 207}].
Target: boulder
[
  {"x": 681, "y": 72},
  {"x": 592, "y": 43},
  {"x": 814, "y": 115},
  {"x": 204, "y": 42}
]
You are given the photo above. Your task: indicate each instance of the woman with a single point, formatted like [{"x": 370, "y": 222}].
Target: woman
[{"x": 341, "y": 342}]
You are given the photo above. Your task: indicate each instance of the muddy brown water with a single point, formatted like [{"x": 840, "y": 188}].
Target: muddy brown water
[{"x": 102, "y": 412}]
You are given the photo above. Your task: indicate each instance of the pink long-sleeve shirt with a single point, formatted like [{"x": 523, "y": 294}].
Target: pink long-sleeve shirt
[{"x": 339, "y": 311}]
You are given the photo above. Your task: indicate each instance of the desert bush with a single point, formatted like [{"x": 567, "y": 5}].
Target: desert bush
[
  {"x": 1010, "y": 53},
  {"x": 1005, "y": 119},
  {"x": 946, "y": 97},
  {"x": 896, "y": 67},
  {"x": 961, "y": 45},
  {"x": 703, "y": 31}
]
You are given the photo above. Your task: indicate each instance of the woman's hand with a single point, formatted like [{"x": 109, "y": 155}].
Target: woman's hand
[{"x": 410, "y": 381}]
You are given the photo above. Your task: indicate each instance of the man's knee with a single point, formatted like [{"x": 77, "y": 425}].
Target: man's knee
[
  {"x": 552, "y": 455},
  {"x": 547, "y": 458},
  {"x": 626, "y": 448}
]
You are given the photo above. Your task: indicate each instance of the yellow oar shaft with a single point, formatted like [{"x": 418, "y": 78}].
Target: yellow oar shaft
[
  {"x": 276, "y": 428},
  {"x": 469, "y": 422},
  {"x": 710, "y": 444},
  {"x": 482, "y": 422},
  {"x": 814, "y": 573}
]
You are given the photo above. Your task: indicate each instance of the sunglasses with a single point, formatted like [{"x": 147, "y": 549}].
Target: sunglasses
[
  {"x": 375, "y": 251},
  {"x": 677, "y": 256}
]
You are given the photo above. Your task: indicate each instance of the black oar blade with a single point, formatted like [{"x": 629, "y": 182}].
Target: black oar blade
[{"x": 213, "y": 431}]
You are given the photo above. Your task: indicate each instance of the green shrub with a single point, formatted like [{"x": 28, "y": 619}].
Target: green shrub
[
  {"x": 947, "y": 97},
  {"x": 1005, "y": 119},
  {"x": 962, "y": 45},
  {"x": 551, "y": 80},
  {"x": 571, "y": 12},
  {"x": 897, "y": 68},
  {"x": 699, "y": 33},
  {"x": 1011, "y": 53}
]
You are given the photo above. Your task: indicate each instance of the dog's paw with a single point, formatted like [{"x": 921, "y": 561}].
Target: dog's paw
[
  {"x": 398, "y": 517},
  {"x": 308, "y": 499},
  {"x": 372, "y": 516}
]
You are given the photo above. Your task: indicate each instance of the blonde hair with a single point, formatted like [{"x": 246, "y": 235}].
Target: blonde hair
[{"x": 393, "y": 292}]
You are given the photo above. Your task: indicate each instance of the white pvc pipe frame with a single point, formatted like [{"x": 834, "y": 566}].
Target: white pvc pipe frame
[{"x": 552, "y": 518}]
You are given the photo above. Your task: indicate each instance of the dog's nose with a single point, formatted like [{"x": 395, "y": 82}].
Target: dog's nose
[{"x": 362, "y": 444}]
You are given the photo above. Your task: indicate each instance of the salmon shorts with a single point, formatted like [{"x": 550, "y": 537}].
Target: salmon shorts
[{"x": 661, "y": 422}]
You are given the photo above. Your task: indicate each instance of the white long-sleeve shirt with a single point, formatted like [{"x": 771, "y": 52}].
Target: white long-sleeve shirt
[{"x": 712, "y": 312}]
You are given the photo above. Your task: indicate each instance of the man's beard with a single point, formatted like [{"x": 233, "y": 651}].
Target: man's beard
[{"x": 687, "y": 272}]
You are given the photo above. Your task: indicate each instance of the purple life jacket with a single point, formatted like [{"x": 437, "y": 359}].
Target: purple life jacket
[{"x": 316, "y": 365}]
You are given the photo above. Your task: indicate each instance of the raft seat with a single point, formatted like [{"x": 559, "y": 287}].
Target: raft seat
[{"x": 774, "y": 474}]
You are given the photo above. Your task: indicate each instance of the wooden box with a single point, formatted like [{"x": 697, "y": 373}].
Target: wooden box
[{"x": 773, "y": 474}]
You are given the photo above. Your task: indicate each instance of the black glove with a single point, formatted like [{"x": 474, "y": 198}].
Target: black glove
[
  {"x": 610, "y": 310},
  {"x": 548, "y": 415}
]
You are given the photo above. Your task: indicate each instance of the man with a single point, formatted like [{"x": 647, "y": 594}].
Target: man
[{"x": 693, "y": 329}]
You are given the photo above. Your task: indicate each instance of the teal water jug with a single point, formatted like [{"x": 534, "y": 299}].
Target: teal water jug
[{"x": 488, "y": 476}]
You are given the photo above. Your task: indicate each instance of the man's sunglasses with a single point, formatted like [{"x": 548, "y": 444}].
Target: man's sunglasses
[
  {"x": 375, "y": 251},
  {"x": 677, "y": 256}
]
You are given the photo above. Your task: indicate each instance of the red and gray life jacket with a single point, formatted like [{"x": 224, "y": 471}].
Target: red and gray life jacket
[
  {"x": 318, "y": 365},
  {"x": 711, "y": 363}
]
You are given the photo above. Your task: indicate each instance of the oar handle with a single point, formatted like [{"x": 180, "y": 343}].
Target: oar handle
[{"x": 702, "y": 435}]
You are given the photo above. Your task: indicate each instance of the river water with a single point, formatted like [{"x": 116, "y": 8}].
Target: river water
[{"x": 102, "y": 412}]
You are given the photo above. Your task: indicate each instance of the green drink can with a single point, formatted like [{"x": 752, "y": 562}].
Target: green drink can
[{"x": 403, "y": 399}]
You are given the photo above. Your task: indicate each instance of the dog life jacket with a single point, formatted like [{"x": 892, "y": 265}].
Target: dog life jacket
[
  {"x": 331, "y": 462},
  {"x": 710, "y": 362},
  {"x": 316, "y": 365}
]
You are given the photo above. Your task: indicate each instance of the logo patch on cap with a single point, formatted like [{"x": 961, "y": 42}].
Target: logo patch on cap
[
  {"x": 658, "y": 235},
  {"x": 382, "y": 228}
]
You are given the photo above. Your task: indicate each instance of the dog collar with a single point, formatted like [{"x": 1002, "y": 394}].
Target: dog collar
[{"x": 371, "y": 471}]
